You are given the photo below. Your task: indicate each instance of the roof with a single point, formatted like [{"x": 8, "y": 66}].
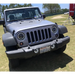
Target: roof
[{"x": 19, "y": 8}]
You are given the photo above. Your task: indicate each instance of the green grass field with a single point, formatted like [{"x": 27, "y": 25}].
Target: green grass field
[{"x": 47, "y": 61}]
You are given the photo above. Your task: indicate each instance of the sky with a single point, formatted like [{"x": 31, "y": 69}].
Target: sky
[{"x": 62, "y": 5}]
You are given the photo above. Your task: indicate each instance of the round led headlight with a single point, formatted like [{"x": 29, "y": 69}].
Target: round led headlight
[
  {"x": 54, "y": 29},
  {"x": 21, "y": 36}
]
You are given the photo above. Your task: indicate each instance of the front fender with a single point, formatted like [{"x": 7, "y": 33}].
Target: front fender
[
  {"x": 62, "y": 29},
  {"x": 8, "y": 39}
]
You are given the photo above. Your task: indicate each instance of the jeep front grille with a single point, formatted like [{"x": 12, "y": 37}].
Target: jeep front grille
[{"x": 38, "y": 36}]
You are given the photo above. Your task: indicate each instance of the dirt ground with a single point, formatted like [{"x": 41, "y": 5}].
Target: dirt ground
[{"x": 57, "y": 17}]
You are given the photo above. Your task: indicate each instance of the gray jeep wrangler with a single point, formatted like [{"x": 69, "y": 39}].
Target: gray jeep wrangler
[{"x": 27, "y": 34}]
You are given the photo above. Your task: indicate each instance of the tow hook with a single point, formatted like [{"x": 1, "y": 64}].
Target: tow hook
[
  {"x": 36, "y": 50},
  {"x": 52, "y": 46}
]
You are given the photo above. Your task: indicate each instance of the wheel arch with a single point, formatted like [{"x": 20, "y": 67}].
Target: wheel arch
[
  {"x": 62, "y": 29},
  {"x": 8, "y": 40}
]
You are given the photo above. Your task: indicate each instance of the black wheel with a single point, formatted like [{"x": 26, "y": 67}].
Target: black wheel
[
  {"x": 60, "y": 50},
  {"x": 13, "y": 62}
]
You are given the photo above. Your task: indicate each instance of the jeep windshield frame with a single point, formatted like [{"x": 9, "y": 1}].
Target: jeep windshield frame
[{"x": 22, "y": 14}]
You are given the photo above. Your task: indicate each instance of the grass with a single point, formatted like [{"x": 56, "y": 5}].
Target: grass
[{"x": 47, "y": 61}]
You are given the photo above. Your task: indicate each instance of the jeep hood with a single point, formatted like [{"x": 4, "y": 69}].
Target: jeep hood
[{"x": 27, "y": 24}]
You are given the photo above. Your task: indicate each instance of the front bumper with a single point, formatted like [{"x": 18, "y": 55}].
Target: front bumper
[{"x": 27, "y": 52}]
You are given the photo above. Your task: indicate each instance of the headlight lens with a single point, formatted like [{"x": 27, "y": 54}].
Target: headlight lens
[
  {"x": 54, "y": 29},
  {"x": 21, "y": 36}
]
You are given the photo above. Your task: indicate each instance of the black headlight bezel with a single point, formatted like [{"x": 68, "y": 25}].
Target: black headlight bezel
[
  {"x": 54, "y": 29},
  {"x": 19, "y": 36}
]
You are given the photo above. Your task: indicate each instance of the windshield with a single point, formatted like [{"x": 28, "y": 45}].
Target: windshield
[{"x": 20, "y": 14}]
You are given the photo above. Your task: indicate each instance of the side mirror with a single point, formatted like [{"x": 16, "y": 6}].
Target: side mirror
[
  {"x": 2, "y": 22},
  {"x": 44, "y": 16}
]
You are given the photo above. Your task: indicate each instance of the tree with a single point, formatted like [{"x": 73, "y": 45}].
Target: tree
[
  {"x": 45, "y": 4},
  {"x": 25, "y": 3},
  {"x": 6, "y": 6},
  {"x": 0, "y": 7},
  {"x": 0, "y": 11},
  {"x": 65, "y": 10},
  {"x": 29, "y": 3},
  {"x": 13, "y": 4},
  {"x": 0, "y": 16},
  {"x": 56, "y": 8},
  {"x": 3, "y": 8},
  {"x": 48, "y": 5},
  {"x": 16, "y": 3},
  {"x": 51, "y": 8}
]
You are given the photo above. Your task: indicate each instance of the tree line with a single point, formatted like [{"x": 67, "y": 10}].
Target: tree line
[
  {"x": 3, "y": 7},
  {"x": 53, "y": 8}
]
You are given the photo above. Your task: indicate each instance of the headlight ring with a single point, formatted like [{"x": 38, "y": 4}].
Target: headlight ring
[
  {"x": 54, "y": 29},
  {"x": 21, "y": 35}
]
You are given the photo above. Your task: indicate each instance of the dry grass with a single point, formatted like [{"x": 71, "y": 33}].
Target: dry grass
[
  {"x": 70, "y": 50},
  {"x": 3, "y": 58},
  {"x": 58, "y": 17},
  {"x": 47, "y": 61}
]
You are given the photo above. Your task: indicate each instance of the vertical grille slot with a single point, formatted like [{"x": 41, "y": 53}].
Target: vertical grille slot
[
  {"x": 28, "y": 36},
  {"x": 43, "y": 34},
  {"x": 35, "y": 33},
  {"x": 46, "y": 33},
  {"x": 39, "y": 34},
  {"x": 49, "y": 32},
  {"x": 32, "y": 36}
]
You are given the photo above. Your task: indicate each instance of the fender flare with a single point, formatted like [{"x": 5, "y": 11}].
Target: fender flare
[
  {"x": 62, "y": 29},
  {"x": 8, "y": 40}
]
